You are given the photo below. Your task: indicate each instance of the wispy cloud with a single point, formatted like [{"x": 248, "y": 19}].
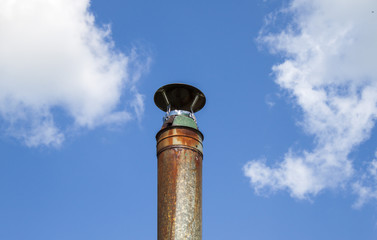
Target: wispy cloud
[
  {"x": 53, "y": 58},
  {"x": 329, "y": 68},
  {"x": 366, "y": 186}
]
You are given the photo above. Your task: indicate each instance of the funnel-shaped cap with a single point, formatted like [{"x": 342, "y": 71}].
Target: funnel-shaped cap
[{"x": 178, "y": 96}]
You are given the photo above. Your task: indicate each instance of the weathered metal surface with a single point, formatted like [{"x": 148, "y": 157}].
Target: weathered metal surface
[
  {"x": 185, "y": 121},
  {"x": 180, "y": 156},
  {"x": 179, "y": 152}
]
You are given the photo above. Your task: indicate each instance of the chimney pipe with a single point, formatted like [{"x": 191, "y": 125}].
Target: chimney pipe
[{"x": 180, "y": 155}]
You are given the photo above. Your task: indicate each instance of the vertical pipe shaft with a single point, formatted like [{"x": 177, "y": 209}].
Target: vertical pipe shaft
[{"x": 180, "y": 155}]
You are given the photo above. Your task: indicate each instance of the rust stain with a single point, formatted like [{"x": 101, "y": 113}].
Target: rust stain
[{"x": 179, "y": 136}]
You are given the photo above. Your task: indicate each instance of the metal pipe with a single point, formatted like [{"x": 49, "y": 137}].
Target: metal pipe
[
  {"x": 180, "y": 157},
  {"x": 179, "y": 152}
]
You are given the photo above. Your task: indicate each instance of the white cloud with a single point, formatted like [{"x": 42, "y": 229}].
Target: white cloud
[
  {"x": 329, "y": 68},
  {"x": 366, "y": 186},
  {"x": 53, "y": 58}
]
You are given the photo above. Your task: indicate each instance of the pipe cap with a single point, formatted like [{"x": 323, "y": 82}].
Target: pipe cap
[{"x": 179, "y": 96}]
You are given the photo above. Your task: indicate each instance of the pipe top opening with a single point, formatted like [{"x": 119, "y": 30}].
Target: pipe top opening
[{"x": 178, "y": 96}]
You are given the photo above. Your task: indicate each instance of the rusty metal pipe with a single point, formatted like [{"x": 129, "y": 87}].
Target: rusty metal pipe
[
  {"x": 179, "y": 151},
  {"x": 180, "y": 156}
]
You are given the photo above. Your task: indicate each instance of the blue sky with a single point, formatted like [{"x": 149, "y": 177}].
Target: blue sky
[{"x": 290, "y": 143}]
